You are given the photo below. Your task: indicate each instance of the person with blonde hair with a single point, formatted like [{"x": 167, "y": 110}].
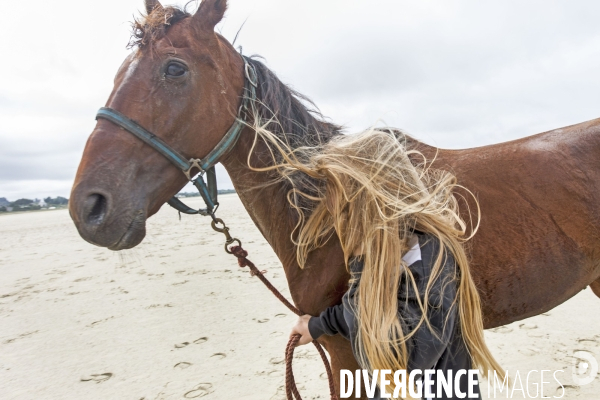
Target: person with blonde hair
[{"x": 411, "y": 302}]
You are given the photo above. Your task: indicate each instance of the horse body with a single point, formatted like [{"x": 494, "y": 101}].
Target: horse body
[
  {"x": 538, "y": 243},
  {"x": 538, "y": 240}
]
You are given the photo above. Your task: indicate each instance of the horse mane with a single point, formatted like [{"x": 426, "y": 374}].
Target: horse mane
[
  {"x": 151, "y": 27},
  {"x": 296, "y": 120},
  {"x": 295, "y": 117}
]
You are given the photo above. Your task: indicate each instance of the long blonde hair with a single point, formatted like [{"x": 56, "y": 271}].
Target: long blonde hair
[{"x": 372, "y": 190}]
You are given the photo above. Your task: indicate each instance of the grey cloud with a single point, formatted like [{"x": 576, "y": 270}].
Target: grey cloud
[
  {"x": 454, "y": 73},
  {"x": 25, "y": 166}
]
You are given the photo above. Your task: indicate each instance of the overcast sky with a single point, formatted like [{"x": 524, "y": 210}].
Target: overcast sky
[{"x": 454, "y": 73}]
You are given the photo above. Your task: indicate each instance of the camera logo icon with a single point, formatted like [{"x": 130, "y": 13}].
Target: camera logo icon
[{"x": 585, "y": 369}]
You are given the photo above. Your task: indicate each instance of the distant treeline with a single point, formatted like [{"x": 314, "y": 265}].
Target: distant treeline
[
  {"x": 56, "y": 202},
  {"x": 196, "y": 194},
  {"x": 31, "y": 205}
]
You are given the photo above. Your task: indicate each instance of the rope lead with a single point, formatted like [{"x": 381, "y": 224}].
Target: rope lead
[{"x": 290, "y": 384}]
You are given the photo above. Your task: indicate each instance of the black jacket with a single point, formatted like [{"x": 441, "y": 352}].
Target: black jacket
[{"x": 447, "y": 350}]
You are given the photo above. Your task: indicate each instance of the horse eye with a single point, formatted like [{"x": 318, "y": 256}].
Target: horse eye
[{"x": 175, "y": 69}]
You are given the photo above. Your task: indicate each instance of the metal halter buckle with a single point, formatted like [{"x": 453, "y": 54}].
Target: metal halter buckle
[
  {"x": 224, "y": 230},
  {"x": 194, "y": 163}
]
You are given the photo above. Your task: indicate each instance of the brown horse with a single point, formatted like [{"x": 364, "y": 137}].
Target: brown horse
[{"x": 539, "y": 240}]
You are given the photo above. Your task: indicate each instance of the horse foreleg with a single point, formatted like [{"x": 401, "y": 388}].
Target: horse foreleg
[{"x": 596, "y": 287}]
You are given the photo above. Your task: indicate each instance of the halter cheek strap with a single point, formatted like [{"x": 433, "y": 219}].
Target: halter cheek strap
[{"x": 208, "y": 190}]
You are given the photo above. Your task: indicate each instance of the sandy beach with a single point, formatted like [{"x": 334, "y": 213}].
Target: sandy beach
[{"x": 176, "y": 318}]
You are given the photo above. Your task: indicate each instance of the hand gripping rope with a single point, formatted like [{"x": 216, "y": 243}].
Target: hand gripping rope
[{"x": 290, "y": 384}]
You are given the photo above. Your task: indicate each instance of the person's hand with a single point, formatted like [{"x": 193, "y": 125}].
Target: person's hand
[{"x": 301, "y": 328}]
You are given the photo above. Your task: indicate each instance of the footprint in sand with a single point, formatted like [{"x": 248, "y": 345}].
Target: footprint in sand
[
  {"x": 201, "y": 340},
  {"x": 159, "y": 306},
  {"x": 276, "y": 360},
  {"x": 200, "y": 390},
  {"x": 502, "y": 329},
  {"x": 276, "y": 334},
  {"x": 531, "y": 351},
  {"x": 534, "y": 334},
  {"x": 98, "y": 378},
  {"x": 589, "y": 342},
  {"x": 323, "y": 376},
  {"x": 528, "y": 326},
  {"x": 182, "y": 365},
  {"x": 181, "y": 345},
  {"x": 563, "y": 355},
  {"x": 274, "y": 372},
  {"x": 219, "y": 356},
  {"x": 280, "y": 315},
  {"x": 21, "y": 336},
  {"x": 567, "y": 392},
  {"x": 305, "y": 354},
  {"x": 280, "y": 394},
  {"x": 100, "y": 321},
  {"x": 262, "y": 321}
]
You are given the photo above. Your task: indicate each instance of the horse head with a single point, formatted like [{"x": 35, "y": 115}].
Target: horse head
[{"x": 182, "y": 82}]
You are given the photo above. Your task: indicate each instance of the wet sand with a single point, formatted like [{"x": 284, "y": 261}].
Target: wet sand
[{"x": 176, "y": 318}]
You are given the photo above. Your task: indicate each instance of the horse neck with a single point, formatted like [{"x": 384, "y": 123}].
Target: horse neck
[
  {"x": 264, "y": 200},
  {"x": 268, "y": 207}
]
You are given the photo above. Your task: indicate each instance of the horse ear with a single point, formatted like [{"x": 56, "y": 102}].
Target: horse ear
[
  {"x": 151, "y": 5},
  {"x": 209, "y": 14}
]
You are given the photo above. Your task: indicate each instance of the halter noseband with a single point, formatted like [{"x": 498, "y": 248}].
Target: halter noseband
[{"x": 207, "y": 190}]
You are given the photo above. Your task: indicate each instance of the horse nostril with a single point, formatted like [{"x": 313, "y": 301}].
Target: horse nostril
[{"x": 95, "y": 209}]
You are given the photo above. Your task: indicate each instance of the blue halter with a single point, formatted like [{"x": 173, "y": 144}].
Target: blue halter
[{"x": 207, "y": 190}]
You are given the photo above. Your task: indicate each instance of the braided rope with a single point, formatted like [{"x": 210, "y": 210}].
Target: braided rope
[{"x": 290, "y": 383}]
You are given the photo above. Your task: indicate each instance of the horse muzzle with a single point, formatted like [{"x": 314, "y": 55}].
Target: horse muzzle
[{"x": 99, "y": 222}]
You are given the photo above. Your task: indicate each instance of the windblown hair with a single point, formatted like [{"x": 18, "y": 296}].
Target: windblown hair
[
  {"x": 373, "y": 191},
  {"x": 296, "y": 121},
  {"x": 150, "y": 28}
]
